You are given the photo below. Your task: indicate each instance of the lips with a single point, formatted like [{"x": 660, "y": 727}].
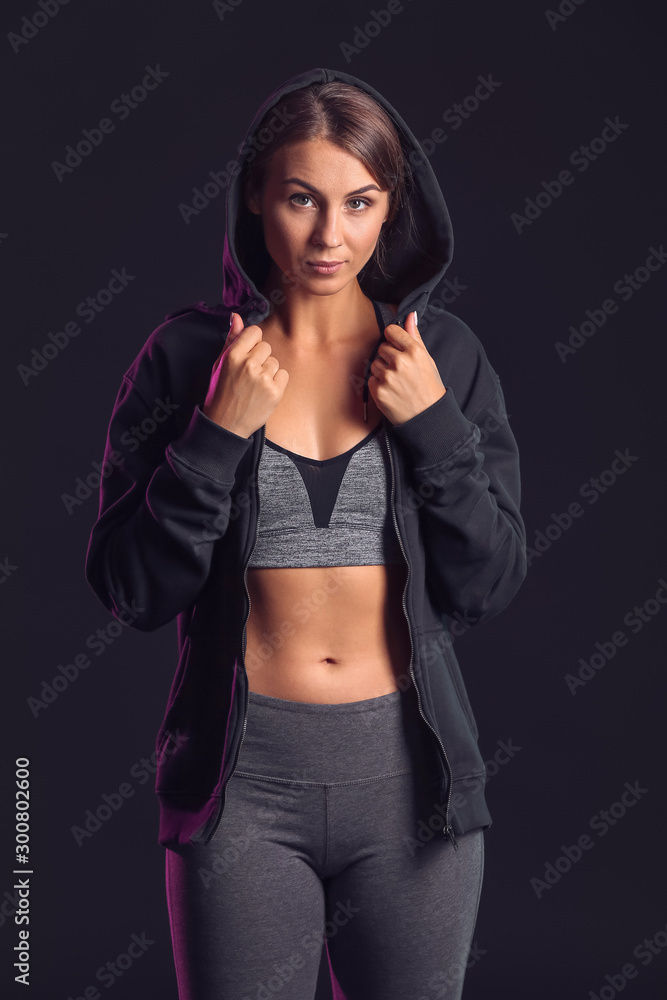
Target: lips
[{"x": 324, "y": 267}]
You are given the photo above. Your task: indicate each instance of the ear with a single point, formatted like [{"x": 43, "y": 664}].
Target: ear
[{"x": 252, "y": 201}]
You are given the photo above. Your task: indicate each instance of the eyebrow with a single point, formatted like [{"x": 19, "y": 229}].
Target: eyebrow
[{"x": 297, "y": 180}]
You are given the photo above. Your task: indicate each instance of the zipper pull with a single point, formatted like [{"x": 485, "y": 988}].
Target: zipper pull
[{"x": 449, "y": 832}]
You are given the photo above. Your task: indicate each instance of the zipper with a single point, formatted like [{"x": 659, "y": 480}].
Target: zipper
[
  {"x": 244, "y": 634},
  {"x": 448, "y": 830}
]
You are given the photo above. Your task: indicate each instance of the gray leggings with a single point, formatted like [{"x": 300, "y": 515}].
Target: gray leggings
[{"x": 319, "y": 845}]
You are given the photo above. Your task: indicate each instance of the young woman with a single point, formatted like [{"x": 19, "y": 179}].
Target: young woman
[{"x": 326, "y": 493}]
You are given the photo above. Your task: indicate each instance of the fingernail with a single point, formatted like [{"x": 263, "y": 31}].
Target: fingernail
[{"x": 414, "y": 313}]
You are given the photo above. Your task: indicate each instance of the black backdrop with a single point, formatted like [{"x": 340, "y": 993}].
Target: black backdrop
[{"x": 594, "y": 924}]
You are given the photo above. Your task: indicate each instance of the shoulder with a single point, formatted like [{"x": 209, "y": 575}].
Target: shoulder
[
  {"x": 179, "y": 353},
  {"x": 460, "y": 357},
  {"x": 186, "y": 333}
]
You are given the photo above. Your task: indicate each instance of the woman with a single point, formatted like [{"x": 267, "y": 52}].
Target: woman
[{"x": 332, "y": 497}]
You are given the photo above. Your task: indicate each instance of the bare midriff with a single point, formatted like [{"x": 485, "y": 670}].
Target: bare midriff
[{"x": 326, "y": 634}]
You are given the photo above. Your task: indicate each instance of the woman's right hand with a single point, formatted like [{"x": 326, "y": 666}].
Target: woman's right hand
[{"x": 247, "y": 382}]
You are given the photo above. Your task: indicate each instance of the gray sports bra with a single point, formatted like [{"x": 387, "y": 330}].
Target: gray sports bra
[{"x": 330, "y": 512}]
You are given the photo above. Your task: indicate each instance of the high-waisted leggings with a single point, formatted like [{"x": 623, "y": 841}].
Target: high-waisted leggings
[{"x": 325, "y": 842}]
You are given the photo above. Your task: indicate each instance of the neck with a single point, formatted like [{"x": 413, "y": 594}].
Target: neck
[{"x": 325, "y": 320}]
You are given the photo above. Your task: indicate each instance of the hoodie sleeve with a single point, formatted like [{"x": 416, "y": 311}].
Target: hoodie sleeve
[
  {"x": 467, "y": 483},
  {"x": 163, "y": 505}
]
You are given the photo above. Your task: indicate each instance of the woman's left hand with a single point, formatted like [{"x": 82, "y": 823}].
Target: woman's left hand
[{"x": 404, "y": 378}]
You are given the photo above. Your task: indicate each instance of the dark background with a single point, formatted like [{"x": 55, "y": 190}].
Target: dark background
[{"x": 120, "y": 208}]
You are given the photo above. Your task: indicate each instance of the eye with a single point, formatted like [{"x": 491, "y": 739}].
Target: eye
[
  {"x": 292, "y": 197},
  {"x": 363, "y": 201}
]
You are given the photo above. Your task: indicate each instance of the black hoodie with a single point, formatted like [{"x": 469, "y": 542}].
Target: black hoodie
[{"x": 179, "y": 508}]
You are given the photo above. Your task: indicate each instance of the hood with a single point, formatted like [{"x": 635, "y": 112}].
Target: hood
[{"x": 414, "y": 270}]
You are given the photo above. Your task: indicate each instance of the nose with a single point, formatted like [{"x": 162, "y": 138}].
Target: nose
[{"x": 326, "y": 231}]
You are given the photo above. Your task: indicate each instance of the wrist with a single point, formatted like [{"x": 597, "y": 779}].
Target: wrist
[{"x": 223, "y": 422}]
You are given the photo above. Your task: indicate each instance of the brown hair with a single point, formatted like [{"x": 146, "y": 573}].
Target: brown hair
[{"x": 351, "y": 119}]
